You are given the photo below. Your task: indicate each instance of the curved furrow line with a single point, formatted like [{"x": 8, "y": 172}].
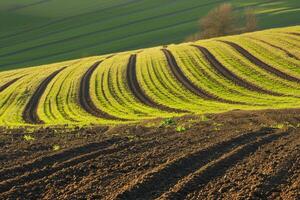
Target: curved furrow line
[
  {"x": 30, "y": 112},
  {"x": 153, "y": 184},
  {"x": 260, "y": 63},
  {"x": 277, "y": 47},
  {"x": 6, "y": 85},
  {"x": 27, "y": 6},
  {"x": 217, "y": 167},
  {"x": 229, "y": 75},
  {"x": 136, "y": 89},
  {"x": 179, "y": 75},
  {"x": 72, "y": 159},
  {"x": 293, "y": 33},
  {"x": 84, "y": 95}
]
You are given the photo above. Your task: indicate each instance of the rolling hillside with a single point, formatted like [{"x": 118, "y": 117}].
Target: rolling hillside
[
  {"x": 35, "y": 32},
  {"x": 248, "y": 72}
]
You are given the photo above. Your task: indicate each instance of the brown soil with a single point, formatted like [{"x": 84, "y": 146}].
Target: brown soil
[
  {"x": 30, "y": 112},
  {"x": 229, "y": 75},
  {"x": 234, "y": 155},
  {"x": 260, "y": 63},
  {"x": 136, "y": 89}
]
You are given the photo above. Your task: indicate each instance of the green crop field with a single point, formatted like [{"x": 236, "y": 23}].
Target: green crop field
[
  {"x": 259, "y": 70},
  {"x": 35, "y": 32}
]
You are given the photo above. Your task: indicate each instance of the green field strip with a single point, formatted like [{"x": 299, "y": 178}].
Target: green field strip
[
  {"x": 200, "y": 72},
  {"x": 29, "y": 114},
  {"x": 62, "y": 95},
  {"x": 112, "y": 93},
  {"x": 250, "y": 72},
  {"x": 20, "y": 93},
  {"x": 84, "y": 94},
  {"x": 160, "y": 84},
  {"x": 281, "y": 64},
  {"x": 284, "y": 47},
  {"x": 136, "y": 89},
  {"x": 280, "y": 51}
]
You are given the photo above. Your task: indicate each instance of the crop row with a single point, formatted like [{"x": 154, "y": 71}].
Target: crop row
[{"x": 253, "y": 71}]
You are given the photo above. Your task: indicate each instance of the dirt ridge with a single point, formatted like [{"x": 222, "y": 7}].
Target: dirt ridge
[
  {"x": 217, "y": 167},
  {"x": 146, "y": 186}
]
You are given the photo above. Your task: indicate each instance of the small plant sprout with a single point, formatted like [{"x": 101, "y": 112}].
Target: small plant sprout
[
  {"x": 167, "y": 122},
  {"x": 56, "y": 147},
  {"x": 28, "y": 138},
  {"x": 204, "y": 118},
  {"x": 180, "y": 129}
]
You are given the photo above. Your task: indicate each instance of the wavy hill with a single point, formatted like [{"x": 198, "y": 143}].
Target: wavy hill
[
  {"x": 248, "y": 72},
  {"x": 35, "y": 32}
]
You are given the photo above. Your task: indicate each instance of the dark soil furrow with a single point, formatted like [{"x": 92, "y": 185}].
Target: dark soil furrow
[
  {"x": 220, "y": 68},
  {"x": 154, "y": 183},
  {"x": 85, "y": 98},
  {"x": 30, "y": 112},
  {"x": 47, "y": 171},
  {"x": 179, "y": 75},
  {"x": 136, "y": 89},
  {"x": 260, "y": 63},
  {"x": 9, "y": 83},
  {"x": 217, "y": 167},
  {"x": 52, "y": 159},
  {"x": 289, "y": 54}
]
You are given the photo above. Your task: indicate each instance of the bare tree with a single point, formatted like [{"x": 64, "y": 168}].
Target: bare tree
[{"x": 220, "y": 21}]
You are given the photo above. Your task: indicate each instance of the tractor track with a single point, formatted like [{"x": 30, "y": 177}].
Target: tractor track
[
  {"x": 277, "y": 47},
  {"x": 179, "y": 75},
  {"x": 85, "y": 98},
  {"x": 9, "y": 83},
  {"x": 136, "y": 89},
  {"x": 260, "y": 63},
  {"x": 30, "y": 112},
  {"x": 229, "y": 75}
]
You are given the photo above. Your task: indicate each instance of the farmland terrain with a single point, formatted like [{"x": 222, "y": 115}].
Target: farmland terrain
[
  {"x": 259, "y": 70},
  {"x": 35, "y": 32},
  {"x": 209, "y": 119},
  {"x": 234, "y": 155}
]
